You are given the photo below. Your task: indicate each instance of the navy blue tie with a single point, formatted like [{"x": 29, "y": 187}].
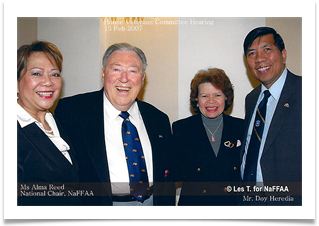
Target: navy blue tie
[
  {"x": 135, "y": 160},
  {"x": 255, "y": 140}
]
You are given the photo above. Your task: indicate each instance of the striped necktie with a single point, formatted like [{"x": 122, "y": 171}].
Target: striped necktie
[
  {"x": 255, "y": 140},
  {"x": 135, "y": 160}
]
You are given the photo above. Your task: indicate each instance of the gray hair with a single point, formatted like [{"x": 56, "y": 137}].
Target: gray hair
[{"x": 124, "y": 47}]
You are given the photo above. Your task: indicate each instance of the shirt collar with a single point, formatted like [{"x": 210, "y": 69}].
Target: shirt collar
[
  {"x": 276, "y": 88},
  {"x": 112, "y": 113},
  {"x": 24, "y": 118},
  {"x": 133, "y": 111}
]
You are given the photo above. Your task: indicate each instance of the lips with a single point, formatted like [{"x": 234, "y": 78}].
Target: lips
[
  {"x": 263, "y": 69},
  {"x": 121, "y": 88},
  {"x": 45, "y": 94},
  {"x": 211, "y": 108}
]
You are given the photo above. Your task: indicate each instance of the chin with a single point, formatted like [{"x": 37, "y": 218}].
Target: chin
[
  {"x": 46, "y": 106},
  {"x": 214, "y": 115}
]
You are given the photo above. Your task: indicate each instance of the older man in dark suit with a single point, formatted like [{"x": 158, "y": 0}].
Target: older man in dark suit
[
  {"x": 271, "y": 156},
  {"x": 98, "y": 124}
]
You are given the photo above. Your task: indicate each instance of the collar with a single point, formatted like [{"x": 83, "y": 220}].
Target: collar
[
  {"x": 112, "y": 113},
  {"x": 25, "y": 119},
  {"x": 134, "y": 111},
  {"x": 276, "y": 88}
]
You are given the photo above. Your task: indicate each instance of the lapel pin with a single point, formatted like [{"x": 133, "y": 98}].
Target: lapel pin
[
  {"x": 228, "y": 144},
  {"x": 160, "y": 136},
  {"x": 286, "y": 105},
  {"x": 238, "y": 143}
]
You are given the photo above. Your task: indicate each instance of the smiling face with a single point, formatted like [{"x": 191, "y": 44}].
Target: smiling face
[
  {"x": 123, "y": 78},
  {"x": 40, "y": 84},
  {"x": 266, "y": 62},
  {"x": 211, "y": 101}
]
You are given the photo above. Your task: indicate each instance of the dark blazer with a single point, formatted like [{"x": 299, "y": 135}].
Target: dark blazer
[
  {"x": 281, "y": 157},
  {"x": 83, "y": 119},
  {"x": 40, "y": 163},
  {"x": 204, "y": 175}
]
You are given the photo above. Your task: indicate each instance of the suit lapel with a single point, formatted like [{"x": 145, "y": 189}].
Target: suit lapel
[
  {"x": 250, "y": 106},
  {"x": 229, "y": 146},
  {"x": 47, "y": 149},
  {"x": 151, "y": 124},
  {"x": 92, "y": 123},
  {"x": 203, "y": 146},
  {"x": 287, "y": 97},
  {"x": 64, "y": 136}
]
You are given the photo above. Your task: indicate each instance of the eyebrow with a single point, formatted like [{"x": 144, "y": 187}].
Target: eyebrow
[
  {"x": 209, "y": 93},
  {"x": 267, "y": 44},
  {"x": 122, "y": 65},
  {"x": 39, "y": 68}
]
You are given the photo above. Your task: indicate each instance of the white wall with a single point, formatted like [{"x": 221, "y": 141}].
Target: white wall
[
  {"x": 217, "y": 45},
  {"x": 159, "y": 42},
  {"x": 26, "y": 30},
  {"x": 79, "y": 41},
  {"x": 290, "y": 29},
  {"x": 175, "y": 53}
]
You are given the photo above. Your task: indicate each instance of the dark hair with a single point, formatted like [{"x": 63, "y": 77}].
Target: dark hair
[
  {"x": 218, "y": 78},
  {"x": 262, "y": 31},
  {"x": 48, "y": 48}
]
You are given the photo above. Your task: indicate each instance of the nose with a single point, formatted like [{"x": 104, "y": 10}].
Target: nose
[
  {"x": 260, "y": 57},
  {"x": 124, "y": 76},
  {"x": 212, "y": 99},
  {"x": 47, "y": 80}
]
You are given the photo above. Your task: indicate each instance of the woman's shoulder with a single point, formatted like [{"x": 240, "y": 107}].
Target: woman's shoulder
[
  {"x": 234, "y": 123},
  {"x": 186, "y": 121},
  {"x": 232, "y": 118}
]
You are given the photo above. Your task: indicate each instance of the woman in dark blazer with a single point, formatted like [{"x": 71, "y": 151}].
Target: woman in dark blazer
[
  {"x": 208, "y": 143},
  {"x": 47, "y": 170}
]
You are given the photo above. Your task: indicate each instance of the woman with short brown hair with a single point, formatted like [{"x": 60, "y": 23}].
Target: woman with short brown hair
[
  {"x": 47, "y": 168},
  {"x": 207, "y": 144}
]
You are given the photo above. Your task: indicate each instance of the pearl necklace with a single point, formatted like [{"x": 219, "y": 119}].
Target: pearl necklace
[{"x": 48, "y": 131}]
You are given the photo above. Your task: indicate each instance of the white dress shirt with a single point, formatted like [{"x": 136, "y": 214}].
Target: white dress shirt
[
  {"x": 275, "y": 91},
  {"x": 24, "y": 119},
  {"x": 115, "y": 152}
]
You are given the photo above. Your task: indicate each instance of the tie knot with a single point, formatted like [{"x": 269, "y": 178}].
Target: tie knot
[
  {"x": 124, "y": 114},
  {"x": 267, "y": 94}
]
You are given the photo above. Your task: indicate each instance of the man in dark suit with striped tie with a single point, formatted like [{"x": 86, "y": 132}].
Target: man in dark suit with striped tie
[
  {"x": 101, "y": 124},
  {"x": 271, "y": 156}
]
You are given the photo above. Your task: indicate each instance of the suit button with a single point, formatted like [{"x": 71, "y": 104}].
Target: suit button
[
  {"x": 235, "y": 168},
  {"x": 198, "y": 169},
  {"x": 204, "y": 191}
]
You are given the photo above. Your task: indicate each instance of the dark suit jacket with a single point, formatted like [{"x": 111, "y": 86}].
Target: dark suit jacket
[
  {"x": 203, "y": 174},
  {"x": 40, "y": 163},
  {"x": 281, "y": 157},
  {"x": 83, "y": 119}
]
